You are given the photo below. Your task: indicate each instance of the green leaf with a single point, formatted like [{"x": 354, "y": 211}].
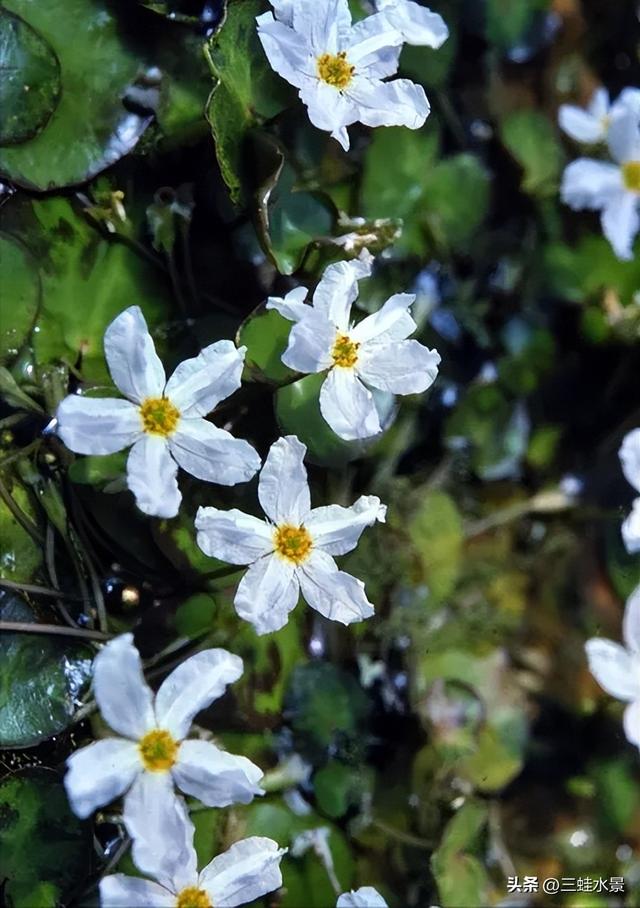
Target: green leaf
[
  {"x": 30, "y": 85},
  {"x": 41, "y": 679},
  {"x": 20, "y": 553},
  {"x": 508, "y": 20},
  {"x": 45, "y": 851},
  {"x": 436, "y": 533},
  {"x": 298, "y": 413},
  {"x": 588, "y": 269},
  {"x": 247, "y": 89},
  {"x": 90, "y": 127},
  {"x": 456, "y": 199},
  {"x": 86, "y": 281},
  {"x": 265, "y": 334},
  {"x": 533, "y": 142},
  {"x": 461, "y": 877},
  {"x": 196, "y": 615},
  {"x": 338, "y": 787},
  {"x": 21, "y": 294}
]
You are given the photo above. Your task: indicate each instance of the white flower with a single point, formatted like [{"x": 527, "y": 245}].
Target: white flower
[
  {"x": 338, "y": 67},
  {"x": 163, "y": 420},
  {"x": 630, "y": 460},
  {"x": 592, "y": 124},
  {"x": 612, "y": 189},
  {"x": 152, "y": 755},
  {"x": 365, "y": 897},
  {"x": 417, "y": 24},
  {"x": 374, "y": 353},
  {"x": 292, "y": 551},
  {"x": 617, "y": 669},
  {"x": 246, "y": 871}
]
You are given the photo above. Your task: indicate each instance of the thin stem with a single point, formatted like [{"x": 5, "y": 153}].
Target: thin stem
[
  {"x": 175, "y": 283},
  {"x": 55, "y": 630},
  {"x": 12, "y": 420},
  {"x": 36, "y": 590},
  {"x": 23, "y": 452},
  {"x": 49, "y": 555},
  {"x": 25, "y": 522},
  {"x": 405, "y": 837}
]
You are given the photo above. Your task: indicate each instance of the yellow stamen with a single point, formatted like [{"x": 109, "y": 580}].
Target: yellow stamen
[
  {"x": 158, "y": 750},
  {"x": 159, "y": 416},
  {"x": 345, "y": 352},
  {"x": 631, "y": 175},
  {"x": 335, "y": 70},
  {"x": 292, "y": 543},
  {"x": 192, "y": 897}
]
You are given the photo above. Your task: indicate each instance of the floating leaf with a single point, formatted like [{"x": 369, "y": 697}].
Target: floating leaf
[
  {"x": 45, "y": 851},
  {"x": 21, "y": 294},
  {"x": 21, "y": 554},
  {"x": 41, "y": 679},
  {"x": 90, "y": 128},
  {"x": 265, "y": 334},
  {"x": 30, "y": 85}
]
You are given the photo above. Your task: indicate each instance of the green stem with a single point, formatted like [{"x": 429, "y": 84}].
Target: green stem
[{"x": 55, "y": 630}]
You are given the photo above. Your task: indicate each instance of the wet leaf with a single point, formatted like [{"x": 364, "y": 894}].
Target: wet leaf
[
  {"x": 20, "y": 553},
  {"x": 30, "y": 85},
  {"x": 41, "y": 679},
  {"x": 45, "y": 851},
  {"x": 265, "y": 334},
  {"x": 90, "y": 127},
  {"x": 21, "y": 293}
]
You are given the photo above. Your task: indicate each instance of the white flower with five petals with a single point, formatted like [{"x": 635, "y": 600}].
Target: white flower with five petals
[
  {"x": 246, "y": 871},
  {"x": 611, "y": 188},
  {"x": 153, "y": 755},
  {"x": 630, "y": 460},
  {"x": 163, "y": 420},
  {"x": 293, "y": 550},
  {"x": 616, "y": 668},
  {"x": 339, "y": 67},
  {"x": 417, "y": 24},
  {"x": 374, "y": 353},
  {"x": 591, "y": 124},
  {"x": 365, "y": 897}
]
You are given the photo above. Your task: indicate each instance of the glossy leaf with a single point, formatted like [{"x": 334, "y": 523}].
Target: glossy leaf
[
  {"x": 21, "y": 293},
  {"x": 265, "y": 334}
]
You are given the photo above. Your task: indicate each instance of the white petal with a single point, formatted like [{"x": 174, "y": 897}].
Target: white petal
[
  {"x": 329, "y": 109},
  {"x": 632, "y": 723},
  {"x": 628, "y": 99},
  {"x": 599, "y": 103},
  {"x": 347, "y": 406},
  {"x": 631, "y": 623},
  {"x": 338, "y": 289},
  {"x": 365, "y": 897},
  {"x": 332, "y": 592},
  {"x": 99, "y": 773},
  {"x": 233, "y": 536},
  {"x": 397, "y": 103},
  {"x": 162, "y": 832},
  {"x": 631, "y": 529},
  {"x": 589, "y": 184},
  {"x": 151, "y": 476},
  {"x": 131, "y": 356},
  {"x": 198, "y": 385},
  {"x": 336, "y": 530},
  {"x": 392, "y": 322},
  {"x": 580, "y": 124},
  {"x": 368, "y": 43},
  {"x": 283, "y": 488},
  {"x": 283, "y": 10},
  {"x": 193, "y": 686},
  {"x": 213, "y": 454},
  {"x": 291, "y": 306},
  {"x": 621, "y": 222},
  {"x": 613, "y": 668},
  {"x": 406, "y": 367},
  {"x": 624, "y": 136},
  {"x": 246, "y": 871},
  {"x": 630, "y": 458},
  {"x": 267, "y": 593},
  {"x": 417, "y": 24},
  {"x": 310, "y": 343},
  {"x": 323, "y": 25},
  {"x": 120, "y": 891},
  {"x": 97, "y": 425},
  {"x": 287, "y": 52},
  {"x": 215, "y": 777},
  {"x": 124, "y": 698}
]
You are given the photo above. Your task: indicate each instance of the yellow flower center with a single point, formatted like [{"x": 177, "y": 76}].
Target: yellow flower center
[
  {"x": 159, "y": 416},
  {"x": 158, "y": 750},
  {"x": 345, "y": 352},
  {"x": 292, "y": 543},
  {"x": 631, "y": 175},
  {"x": 191, "y": 897},
  {"x": 335, "y": 70}
]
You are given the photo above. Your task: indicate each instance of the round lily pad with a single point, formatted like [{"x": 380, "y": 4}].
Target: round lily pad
[{"x": 30, "y": 84}]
